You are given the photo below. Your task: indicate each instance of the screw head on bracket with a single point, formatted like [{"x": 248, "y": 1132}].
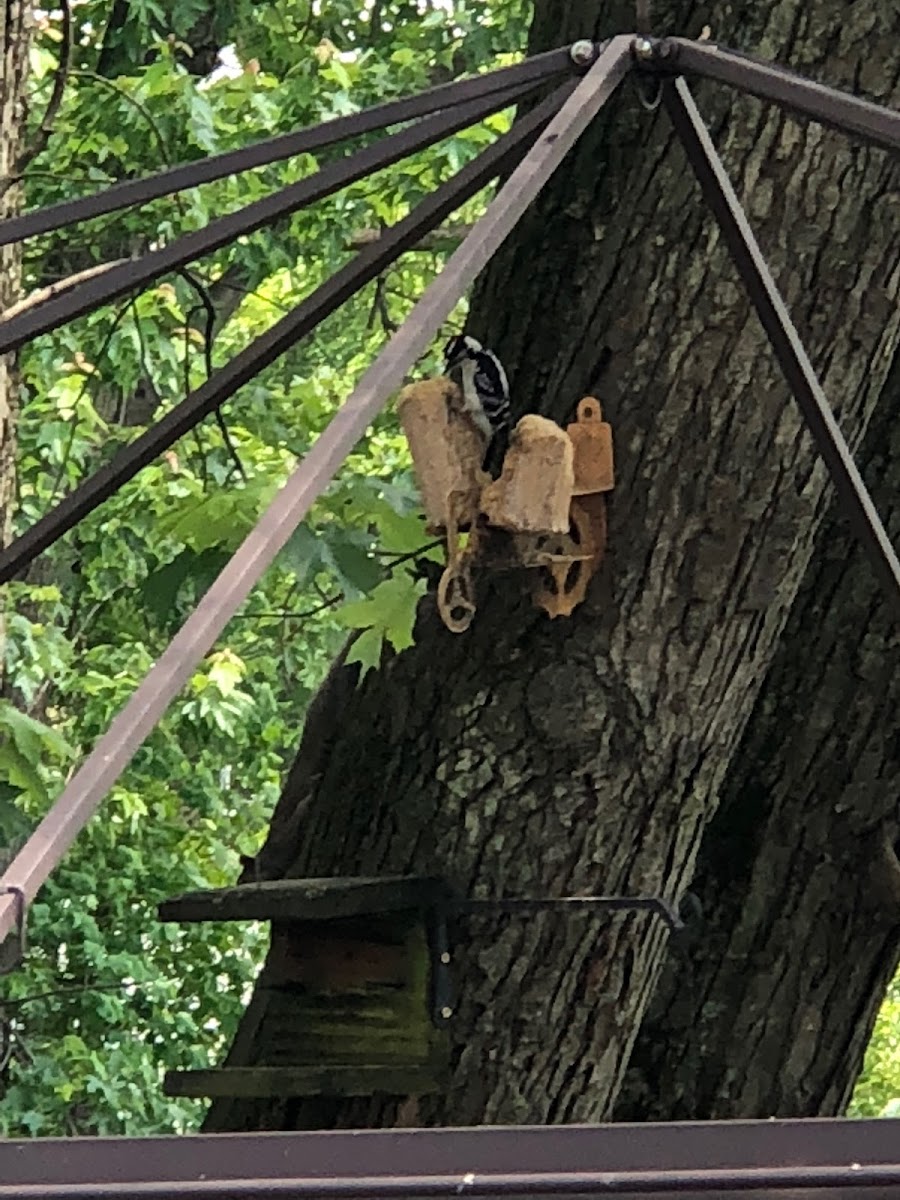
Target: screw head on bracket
[
  {"x": 582, "y": 53},
  {"x": 643, "y": 47}
]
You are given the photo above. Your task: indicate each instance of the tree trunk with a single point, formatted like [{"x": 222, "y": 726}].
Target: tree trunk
[
  {"x": 14, "y": 43},
  {"x": 798, "y": 879},
  {"x": 548, "y": 758}
]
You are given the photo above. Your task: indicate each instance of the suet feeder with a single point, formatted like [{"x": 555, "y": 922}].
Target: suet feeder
[
  {"x": 447, "y": 451},
  {"x": 549, "y": 498},
  {"x": 534, "y": 491}
]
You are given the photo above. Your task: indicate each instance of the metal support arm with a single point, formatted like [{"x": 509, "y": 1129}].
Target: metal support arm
[
  {"x": 792, "y": 358},
  {"x": 132, "y": 276},
  {"x": 131, "y": 192},
  {"x": 829, "y": 106}
]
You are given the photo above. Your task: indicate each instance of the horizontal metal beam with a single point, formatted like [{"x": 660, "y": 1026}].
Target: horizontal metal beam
[
  {"x": 131, "y": 276},
  {"x": 843, "y": 1183},
  {"x": 848, "y": 1157},
  {"x": 853, "y": 494},
  {"x": 839, "y": 110},
  {"x": 264, "y": 350},
  {"x": 532, "y": 71},
  {"x": 130, "y": 728}
]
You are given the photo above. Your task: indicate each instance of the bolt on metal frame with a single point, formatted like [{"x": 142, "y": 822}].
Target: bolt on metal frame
[{"x": 665, "y": 57}]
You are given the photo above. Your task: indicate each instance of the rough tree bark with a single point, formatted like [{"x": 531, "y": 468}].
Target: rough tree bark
[
  {"x": 547, "y": 758},
  {"x": 797, "y": 876},
  {"x": 14, "y": 42}
]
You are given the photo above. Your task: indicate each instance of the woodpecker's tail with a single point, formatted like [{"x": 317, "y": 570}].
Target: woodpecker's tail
[{"x": 496, "y": 452}]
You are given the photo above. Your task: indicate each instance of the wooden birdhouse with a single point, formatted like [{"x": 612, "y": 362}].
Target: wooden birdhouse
[{"x": 344, "y": 1005}]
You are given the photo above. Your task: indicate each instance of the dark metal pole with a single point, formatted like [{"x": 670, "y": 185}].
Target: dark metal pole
[
  {"x": 812, "y": 1152},
  {"x": 308, "y": 314},
  {"x": 173, "y": 669},
  {"x": 131, "y": 192},
  {"x": 789, "y": 351},
  {"x": 838, "y": 110},
  {"x": 516, "y": 906},
  {"x": 131, "y": 276},
  {"x": 845, "y": 1181}
]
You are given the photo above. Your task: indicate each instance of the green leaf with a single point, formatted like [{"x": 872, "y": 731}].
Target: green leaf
[
  {"x": 219, "y": 519},
  {"x": 356, "y": 569},
  {"x": 13, "y": 822},
  {"x": 31, "y": 736},
  {"x": 340, "y": 73},
  {"x": 226, "y": 671},
  {"x": 160, "y": 590},
  {"x": 366, "y": 650},
  {"x": 388, "y": 614},
  {"x": 18, "y": 771},
  {"x": 201, "y": 122},
  {"x": 302, "y": 554},
  {"x": 401, "y": 534}
]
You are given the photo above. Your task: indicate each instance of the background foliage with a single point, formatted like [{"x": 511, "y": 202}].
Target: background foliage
[{"x": 109, "y": 997}]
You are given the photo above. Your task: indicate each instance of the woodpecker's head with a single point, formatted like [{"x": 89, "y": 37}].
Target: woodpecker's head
[{"x": 458, "y": 349}]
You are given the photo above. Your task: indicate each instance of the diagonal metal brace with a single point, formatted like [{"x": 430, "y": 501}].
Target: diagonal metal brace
[
  {"x": 852, "y": 115},
  {"x": 130, "y": 192},
  {"x": 138, "y": 273},
  {"x": 792, "y": 357}
]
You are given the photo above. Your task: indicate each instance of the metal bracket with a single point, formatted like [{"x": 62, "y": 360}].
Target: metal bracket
[
  {"x": 443, "y": 1004},
  {"x": 12, "y": 948}
]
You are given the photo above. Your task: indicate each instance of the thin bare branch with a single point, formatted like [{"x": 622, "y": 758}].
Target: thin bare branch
[{"x": 42, "y": 295}]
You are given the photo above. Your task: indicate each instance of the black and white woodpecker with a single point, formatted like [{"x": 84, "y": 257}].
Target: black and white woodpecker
[{"x": 480, "y": 376}]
